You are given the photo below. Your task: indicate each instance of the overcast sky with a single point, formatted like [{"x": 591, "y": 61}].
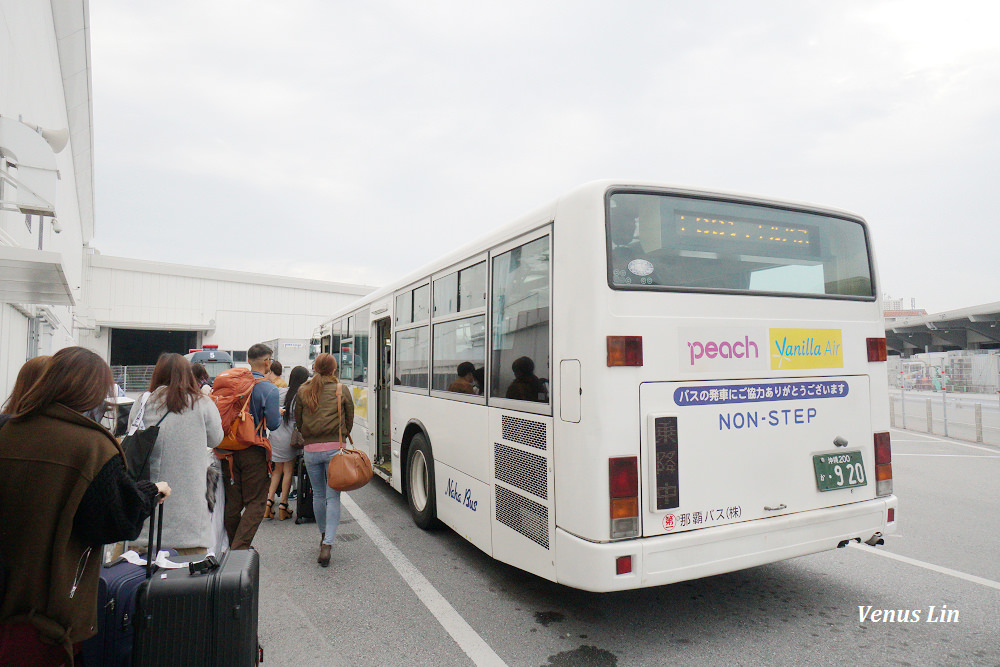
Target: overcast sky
[{"x": 356, "y": 141}]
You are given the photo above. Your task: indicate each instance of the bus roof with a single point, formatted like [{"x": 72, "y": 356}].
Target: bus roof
[{"x": 546, "y": 213}]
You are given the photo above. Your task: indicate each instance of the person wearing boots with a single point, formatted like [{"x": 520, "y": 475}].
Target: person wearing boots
[{"x": 324, "y": 413}]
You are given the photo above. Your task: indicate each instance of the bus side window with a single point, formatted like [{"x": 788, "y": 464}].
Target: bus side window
[{"x": 521, "y": 323}]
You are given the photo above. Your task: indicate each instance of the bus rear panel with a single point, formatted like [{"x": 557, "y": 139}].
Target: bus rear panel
[{"x": 740, "y": 406}]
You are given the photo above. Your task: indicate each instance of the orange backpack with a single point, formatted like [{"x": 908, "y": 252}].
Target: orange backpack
[{"x": 232, "y": 391}]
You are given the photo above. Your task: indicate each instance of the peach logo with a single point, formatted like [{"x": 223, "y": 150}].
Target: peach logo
[{"x": 723, "y": 349}]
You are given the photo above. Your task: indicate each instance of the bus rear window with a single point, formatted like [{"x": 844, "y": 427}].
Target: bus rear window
[{"x": 660, "y": 242}]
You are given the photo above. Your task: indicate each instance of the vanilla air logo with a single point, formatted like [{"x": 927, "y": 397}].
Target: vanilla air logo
[{"x": 806, "y": 348}]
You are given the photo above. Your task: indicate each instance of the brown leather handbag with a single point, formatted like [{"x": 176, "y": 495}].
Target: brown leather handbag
[
  {"x": 297, "y": 442},
  {"x": 351, "y": 468}
]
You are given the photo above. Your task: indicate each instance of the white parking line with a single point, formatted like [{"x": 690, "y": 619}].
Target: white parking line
[
  {"x": 953, "y": 456},
  {"x": 992, "y": 450},
  {"x": 468, "y": 639},
  {"x": 927, "y": 566}
]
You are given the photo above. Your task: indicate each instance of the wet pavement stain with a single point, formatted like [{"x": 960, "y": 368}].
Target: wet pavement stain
[
  {"x": 585, "y": 656},
  {"x": 547, "y": 617}
]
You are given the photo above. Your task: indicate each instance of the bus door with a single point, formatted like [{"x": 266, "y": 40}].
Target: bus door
[{"x": 382, "y": 335}]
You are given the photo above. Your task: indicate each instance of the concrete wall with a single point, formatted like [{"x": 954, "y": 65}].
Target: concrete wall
[{"x": 231, "y": 309}]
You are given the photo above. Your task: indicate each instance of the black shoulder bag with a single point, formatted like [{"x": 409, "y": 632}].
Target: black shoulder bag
[{"x": 138, "y": 447}]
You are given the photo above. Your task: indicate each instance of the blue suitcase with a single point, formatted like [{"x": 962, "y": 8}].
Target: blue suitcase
[
  {"x": 116, "y": 591},
  {"x": 112, "y": 645}
]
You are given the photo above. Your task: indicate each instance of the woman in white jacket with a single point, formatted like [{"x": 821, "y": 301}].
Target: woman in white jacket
[{"x": 189, "y": 425}]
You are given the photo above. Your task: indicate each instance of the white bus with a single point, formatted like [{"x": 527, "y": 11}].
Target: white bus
[{"x": 634, "y": 385}]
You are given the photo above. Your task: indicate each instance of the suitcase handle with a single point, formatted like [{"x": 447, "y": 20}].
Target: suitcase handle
[{"x": 157, "y": 516}]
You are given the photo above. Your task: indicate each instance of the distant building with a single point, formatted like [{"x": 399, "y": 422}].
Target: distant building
[
  {"x": 136, "y": 309},
  {"x": 892, "y": 309},
  {"x": 975, "y": 328}
]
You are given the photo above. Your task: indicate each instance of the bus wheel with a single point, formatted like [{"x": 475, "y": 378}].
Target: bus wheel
[{"x": 420, "y": 482}]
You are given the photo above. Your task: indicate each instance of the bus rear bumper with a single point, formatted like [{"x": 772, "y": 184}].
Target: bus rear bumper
[{"x": 666, "y": 559}]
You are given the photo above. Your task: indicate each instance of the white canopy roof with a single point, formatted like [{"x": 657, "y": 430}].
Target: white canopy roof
[{"x": 33, "y": 276}]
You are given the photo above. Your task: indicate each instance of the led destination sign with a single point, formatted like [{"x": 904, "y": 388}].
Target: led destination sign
[{"x": 744, "y": 232}]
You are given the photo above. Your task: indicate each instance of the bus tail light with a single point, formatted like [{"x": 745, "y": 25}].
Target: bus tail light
[
  {"x": 623, "y": 482},
  {"x": 624, "y": 350},
  {"x": 883, "y": 464},
  {"x": 876, "y": 349}
]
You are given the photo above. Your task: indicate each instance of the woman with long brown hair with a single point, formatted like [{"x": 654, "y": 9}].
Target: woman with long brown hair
[
  {"x": 64, "y": 492},
  {"x": 26, "y": 377},
  {"x": 324, "y": 413},
  {"x": 282, "y": 454},
  {"x": 189, "y": 425}
]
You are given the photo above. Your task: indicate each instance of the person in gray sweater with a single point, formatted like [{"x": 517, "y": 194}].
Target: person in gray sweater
[{"x": 190, "y": 427}]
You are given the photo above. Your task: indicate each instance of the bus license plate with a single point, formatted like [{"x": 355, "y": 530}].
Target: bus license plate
[{"x": 843, "y": 470}]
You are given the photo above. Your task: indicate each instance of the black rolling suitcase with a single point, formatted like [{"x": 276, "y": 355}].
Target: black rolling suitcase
[
  {"x": 304, "y": 500},
  {"x": 203, "y": 614}
]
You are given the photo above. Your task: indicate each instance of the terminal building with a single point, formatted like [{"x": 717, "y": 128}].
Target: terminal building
[
  {"x": 56, "y": 290},
  {"x": 955, "y": 350}
]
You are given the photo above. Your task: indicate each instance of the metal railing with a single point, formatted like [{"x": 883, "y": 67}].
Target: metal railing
[
  {"x": 133, "y": 378},
  {"x": 972, "y": 417}
]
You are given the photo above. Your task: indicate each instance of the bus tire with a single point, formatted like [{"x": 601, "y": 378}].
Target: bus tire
[{"x": 420, "y": 482}]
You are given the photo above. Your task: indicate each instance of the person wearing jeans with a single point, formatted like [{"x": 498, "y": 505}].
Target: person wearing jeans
[
  {"x": 326, "y": 501},
  {"x": 324, "y": 412}
]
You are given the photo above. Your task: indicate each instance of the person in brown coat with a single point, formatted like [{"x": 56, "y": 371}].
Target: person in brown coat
[
  {"x": 64, "y": 492},
  {"x": 26, "y": 378},
  {"x": 324, "y": 413}
]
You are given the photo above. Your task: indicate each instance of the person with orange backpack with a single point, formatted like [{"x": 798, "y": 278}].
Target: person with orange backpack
[{"x": 248, "y": 405}]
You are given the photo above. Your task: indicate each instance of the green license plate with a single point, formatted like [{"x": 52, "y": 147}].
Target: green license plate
[{"x": 842, "y": 470}]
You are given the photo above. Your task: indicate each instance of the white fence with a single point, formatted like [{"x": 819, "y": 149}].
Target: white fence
[
  {"x": 133, "y": 378},
  {"x": 973, "y": 417},
  {"x": 958, "y": 371}
]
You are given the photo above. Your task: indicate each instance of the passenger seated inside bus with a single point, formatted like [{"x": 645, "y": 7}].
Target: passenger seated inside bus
[
  {"x": 465, "y": 383},
  {"x": 526, "y": 385}
]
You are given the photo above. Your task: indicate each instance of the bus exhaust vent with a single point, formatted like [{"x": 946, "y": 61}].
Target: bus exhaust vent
[
  {"x": 527, "y": 517},
  {"x": 524, "y": 432},
  {"x": 524, "y": 470}
]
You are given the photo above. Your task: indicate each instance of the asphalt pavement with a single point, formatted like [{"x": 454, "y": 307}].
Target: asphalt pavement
[{"x": 398, "y": 595}]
